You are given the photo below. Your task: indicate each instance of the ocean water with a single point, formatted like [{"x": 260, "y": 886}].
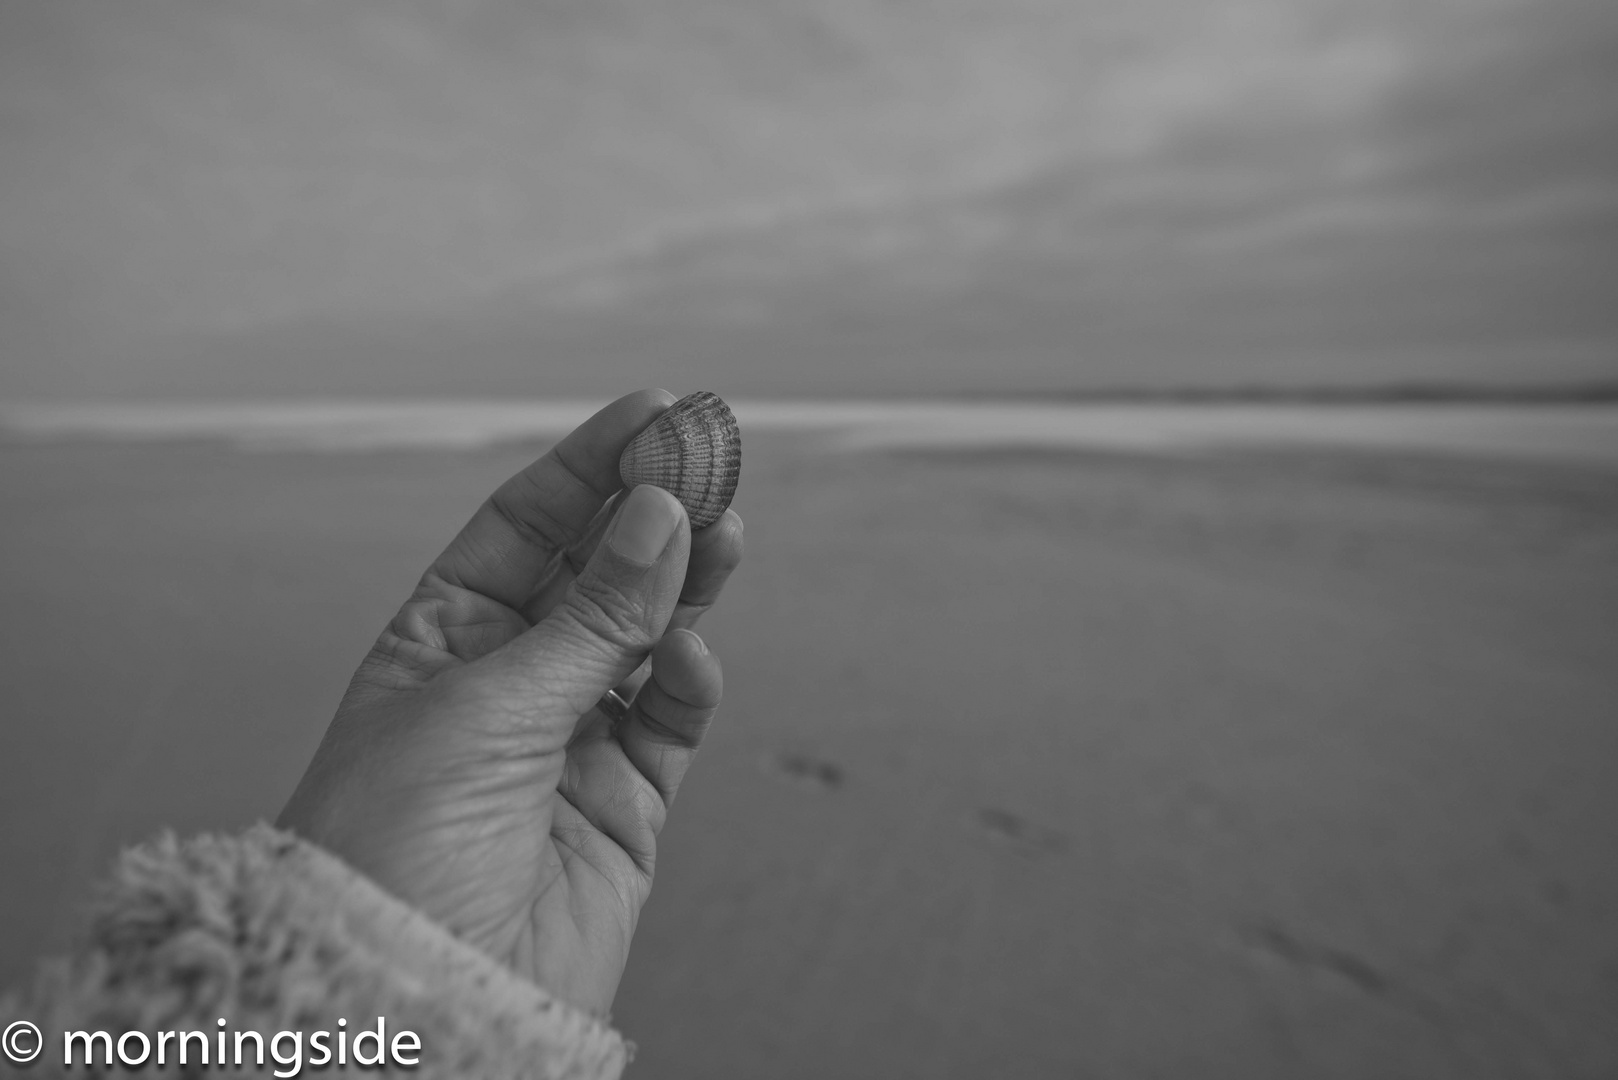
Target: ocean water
[{"x": 1585, "y": 433}]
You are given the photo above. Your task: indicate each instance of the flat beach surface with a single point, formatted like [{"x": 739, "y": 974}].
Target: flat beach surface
[{"x": 1033, "y": 763}]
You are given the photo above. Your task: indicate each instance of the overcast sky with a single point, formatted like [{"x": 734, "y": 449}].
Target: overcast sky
[{"x": 823, "y": 196}]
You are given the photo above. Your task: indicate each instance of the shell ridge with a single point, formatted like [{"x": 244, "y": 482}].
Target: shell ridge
[{"x": 693, "y": 451}]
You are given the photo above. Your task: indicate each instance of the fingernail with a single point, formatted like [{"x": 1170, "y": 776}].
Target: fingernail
[
  {"x": 702, "y": 646},
  {"x": 644, "y": 525}
]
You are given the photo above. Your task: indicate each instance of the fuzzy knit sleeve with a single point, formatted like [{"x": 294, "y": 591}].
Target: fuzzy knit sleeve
[{"x": 271, "y": 934}]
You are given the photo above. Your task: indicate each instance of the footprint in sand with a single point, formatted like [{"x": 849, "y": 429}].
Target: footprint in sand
[
  {"x": 1269, "y": 938},
  {"x": 819, "y": 772},
  {"x": 1025, "y": 836}
]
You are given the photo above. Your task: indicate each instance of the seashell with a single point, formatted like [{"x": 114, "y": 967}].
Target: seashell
[{"x": 694, "y": 452}]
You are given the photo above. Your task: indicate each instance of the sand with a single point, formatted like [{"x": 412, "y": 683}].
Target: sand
[{"x": 1032, "y": 764}]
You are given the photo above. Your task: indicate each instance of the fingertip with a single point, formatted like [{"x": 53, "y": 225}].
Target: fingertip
[
  {"x": 641, "y": 407},
  {"x": 687, "y": 670},
  {"x": 729, "y": 525},
  {"x": 652, "y": 395},
  {"x": 723, "y": 540},
  {"x": 629, "y": 415}
]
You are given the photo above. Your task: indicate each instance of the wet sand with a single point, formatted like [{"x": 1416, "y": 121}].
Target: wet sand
[{"x": 1033, "y": 764}]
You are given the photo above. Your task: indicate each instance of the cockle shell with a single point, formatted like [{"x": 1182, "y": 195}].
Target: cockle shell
[{"x": 694, "y": 452}]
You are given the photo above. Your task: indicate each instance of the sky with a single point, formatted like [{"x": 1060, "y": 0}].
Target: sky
[{"x": 488, "y": 198}]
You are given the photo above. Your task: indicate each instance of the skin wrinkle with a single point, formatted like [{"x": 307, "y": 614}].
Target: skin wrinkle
[
  {"x": 638, "y": 800},
  {"x": 489, "y": 927},
  {"x": 594, "y": 655},
  {"x": 570, "y": 774},
  {"x": 544, "y": 530},
  {"x": 571, "y": 839},
  {"x": 512, "y": 747},
  {"x": 564, "y": 567},
  {"x": 621, "y": 629},
  {"x": 674, "y": 735},
  {"x": 401, "y": 662},
  {"x": 690, "y": 613},
  {"x": 419, "y": 625},
  {"x": 636, "y": 794},
  {"x": 582, "y": 838},
  {"x": 494, "y": 709},
  {"x": 437, "y": 598},
  {"x": 552, "y": 589},
  {"x": 471, "y": 640}
]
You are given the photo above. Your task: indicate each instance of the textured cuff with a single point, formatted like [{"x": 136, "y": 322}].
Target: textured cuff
[{"x": 274, "y": 934}]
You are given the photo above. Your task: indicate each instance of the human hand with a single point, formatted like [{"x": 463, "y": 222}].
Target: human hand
[{"x": 468, "y": 770}]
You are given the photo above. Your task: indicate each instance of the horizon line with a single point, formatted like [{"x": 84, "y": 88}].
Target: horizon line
[{"x": 1420, "y": 391}]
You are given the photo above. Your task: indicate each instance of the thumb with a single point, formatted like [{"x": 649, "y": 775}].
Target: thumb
[{"x": 613, "y": 613}]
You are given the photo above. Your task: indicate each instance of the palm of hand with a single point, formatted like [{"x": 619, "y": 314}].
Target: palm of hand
[{"x": 467, "y": 770}]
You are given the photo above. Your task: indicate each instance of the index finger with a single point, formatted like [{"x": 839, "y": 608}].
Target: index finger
[{"x": 503, "y": 552}]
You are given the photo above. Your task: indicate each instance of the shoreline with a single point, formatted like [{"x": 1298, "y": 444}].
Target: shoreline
[{"x": 1583, "y": 431}]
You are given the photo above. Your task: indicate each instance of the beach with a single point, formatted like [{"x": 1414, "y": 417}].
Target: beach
[{"x": 1037, "y": 758}]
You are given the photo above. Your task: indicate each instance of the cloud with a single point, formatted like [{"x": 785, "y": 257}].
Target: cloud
[{"x": 191, "y": 193}]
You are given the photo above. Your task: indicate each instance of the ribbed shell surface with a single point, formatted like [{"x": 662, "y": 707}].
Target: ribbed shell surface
[{"x": 694, "y": 452}]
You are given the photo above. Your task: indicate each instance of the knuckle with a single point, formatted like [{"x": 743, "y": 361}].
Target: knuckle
[
  {"x": 524, "y": 512},
  {"x": 417, "y": 623},
  {"x": 640, "y": 799},
  {"x": 684, "y": 735},
  {"x": 609, "y": 614}
]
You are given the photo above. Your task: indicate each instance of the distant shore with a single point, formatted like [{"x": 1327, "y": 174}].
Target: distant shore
[
  {"x": 1581, "y": 430},
  {"x": 1421, "y": 393}
]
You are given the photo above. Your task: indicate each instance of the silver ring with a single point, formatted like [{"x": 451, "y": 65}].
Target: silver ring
[{"x": 613, "y": 705}]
